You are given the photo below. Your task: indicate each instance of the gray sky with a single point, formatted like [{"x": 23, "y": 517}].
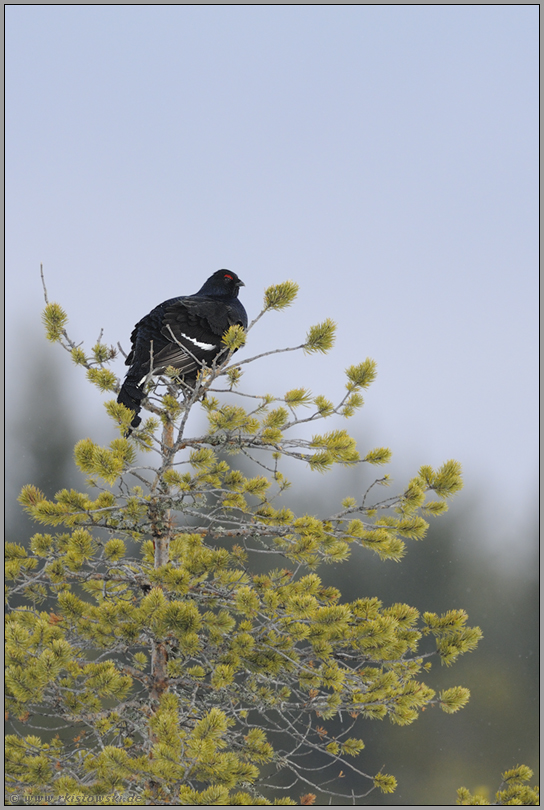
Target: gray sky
[{"x": 384, "y": 157}]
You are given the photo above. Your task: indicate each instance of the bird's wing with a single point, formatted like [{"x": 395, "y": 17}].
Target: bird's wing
[
  {"x": 193, "y": 331},
  {"x": 185, "y": 332},
  {"x": 205, "y": 317}
]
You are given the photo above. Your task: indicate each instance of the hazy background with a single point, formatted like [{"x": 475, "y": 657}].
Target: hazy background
[{"x": 385, "y": 158}]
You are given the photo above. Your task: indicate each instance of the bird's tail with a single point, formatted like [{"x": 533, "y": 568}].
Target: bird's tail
[{"x": 131, "y": 396}]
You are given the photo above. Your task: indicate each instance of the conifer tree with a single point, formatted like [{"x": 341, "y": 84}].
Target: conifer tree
[
  {"x": 512, "y": 791},
  {"x": 149, "y": 662}
]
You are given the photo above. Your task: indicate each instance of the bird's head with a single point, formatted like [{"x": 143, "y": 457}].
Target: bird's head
[{"x": 223, "y": 283}]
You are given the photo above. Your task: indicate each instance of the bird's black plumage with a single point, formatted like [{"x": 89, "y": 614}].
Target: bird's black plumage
[{"x": 182, "y": 332}]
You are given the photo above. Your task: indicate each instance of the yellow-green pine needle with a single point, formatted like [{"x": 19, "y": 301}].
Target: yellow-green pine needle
[
  {"x": 54, "y": 319},
  {"x": 362, "y": 375},
  {"x": 280, "y": 296},
  {"x": 320, "y": 338}
]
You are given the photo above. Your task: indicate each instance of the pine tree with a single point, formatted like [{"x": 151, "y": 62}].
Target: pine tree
[
  {"x": 152, "y": 664},
  {"x": 512, "y": 790}
]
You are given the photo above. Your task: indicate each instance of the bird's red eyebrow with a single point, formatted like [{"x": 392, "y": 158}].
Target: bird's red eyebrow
[{"x": 227, "y": 276}]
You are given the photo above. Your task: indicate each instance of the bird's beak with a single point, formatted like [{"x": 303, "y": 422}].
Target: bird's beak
[{"x": 240, "y": 283}]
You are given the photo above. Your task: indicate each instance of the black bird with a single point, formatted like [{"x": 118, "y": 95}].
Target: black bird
[{"x": 182, "y": 332}]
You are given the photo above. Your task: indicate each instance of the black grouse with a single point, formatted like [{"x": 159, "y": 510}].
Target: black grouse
[{"x": 182, "y": 332}]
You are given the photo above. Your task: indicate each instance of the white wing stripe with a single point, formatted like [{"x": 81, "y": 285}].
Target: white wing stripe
[{"x": 206, "y": 346}]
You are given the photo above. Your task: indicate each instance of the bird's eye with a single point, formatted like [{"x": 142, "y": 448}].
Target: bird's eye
[{"x": 228, "y": 277}]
